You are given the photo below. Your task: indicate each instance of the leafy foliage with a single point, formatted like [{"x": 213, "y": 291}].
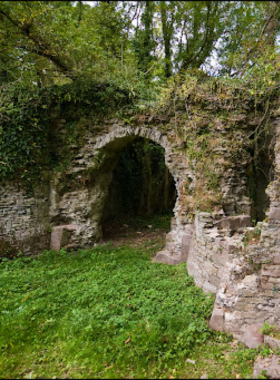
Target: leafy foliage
[
  {"x": 105, "y": 313},
  {"x": 121, "y": 306},
  {"x": 54, "y": 54},
  {"x": 27, "y": 115},
  {"x": 270, "y": 330}
]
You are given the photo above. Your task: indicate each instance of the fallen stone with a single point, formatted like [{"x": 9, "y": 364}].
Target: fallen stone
[
  {"x": 270, "y": 365},
  {"x": 217, "y": 320},
  {"x": 272, "y": 342},
  {"x": 166, "y": 258},
  {"x": 252, "y": 338}
]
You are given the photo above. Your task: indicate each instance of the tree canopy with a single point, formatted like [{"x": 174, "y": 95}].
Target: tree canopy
[
  {"x": 52, "y": 42},
  {"x": 132, "y": 49}
]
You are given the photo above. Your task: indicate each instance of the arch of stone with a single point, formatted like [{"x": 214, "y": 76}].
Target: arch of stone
[
  {"x": 67, "y": 213},
  {"x": 95, "y": 164}
]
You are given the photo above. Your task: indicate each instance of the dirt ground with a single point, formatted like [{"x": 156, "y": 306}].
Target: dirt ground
[{"x": 135, "y": 231}]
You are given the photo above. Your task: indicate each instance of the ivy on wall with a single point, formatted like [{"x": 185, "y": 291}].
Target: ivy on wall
[{"x": 27, "y": 115}]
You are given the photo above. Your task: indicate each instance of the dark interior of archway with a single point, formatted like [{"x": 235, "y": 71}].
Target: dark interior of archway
[
  {"x": 260, "y": 173},
  {"x": 142, "y": 189}
]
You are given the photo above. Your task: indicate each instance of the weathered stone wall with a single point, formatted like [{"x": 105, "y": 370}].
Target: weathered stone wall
[
  {"x": 67, "y": 212},
  {"x": 248, "y": 293},
  {"x": 82, "y": 201},
  {"x": 24, "y": 220}
]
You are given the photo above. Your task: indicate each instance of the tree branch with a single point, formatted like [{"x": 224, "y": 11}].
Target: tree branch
[{"x": 43, "y": 48}]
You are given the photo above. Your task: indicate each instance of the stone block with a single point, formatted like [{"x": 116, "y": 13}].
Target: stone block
[
  {"x": 274, "y": 213},
  {"x": 276, "y": 259},
  {"x": 270, "y": 365},
  {"x": 268, "y": 286},
  {"x": 205, "y": 217},
  {"x": 272, "y": 342},
  {"x": 252, "y": 338},
  {"x": 196, "y": 273},
  {"x": 60, "y": 236},
  {"x": 214, "y": 280},
  {"x": 229, "y": 317},
  {"x": 209, "y": 268},
  {"x": 244, "y": 306},
  {"x": 173, "y": 223},
  {"x": 273, "y": 280},
  {"x": 217, "y": 320},
  {"x": 255, "y": 315},
  {"x": 208, "y": 287},
  {"x": 166, "y": 258},
  {"x": 234, "y": 223},
  {"x": 170, "y": 246},
  {"x": 272, "y": 270},
  {"x": 220, "y": 259},
  {"x": 186, "y": 244},
  {"x": 169, "y": 237},
  {"x": 250, "y": 281}
]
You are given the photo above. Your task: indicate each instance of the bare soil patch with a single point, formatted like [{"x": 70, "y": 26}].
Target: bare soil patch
[{"x": 136, "y": 231}]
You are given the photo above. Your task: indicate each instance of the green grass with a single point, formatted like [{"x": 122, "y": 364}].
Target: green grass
[{"x": 109, "y": 313}]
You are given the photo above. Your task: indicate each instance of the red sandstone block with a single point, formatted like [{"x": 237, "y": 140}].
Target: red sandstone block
[
  {"x": 217, "y": 320},
  {"x": 252, "y": 338}
]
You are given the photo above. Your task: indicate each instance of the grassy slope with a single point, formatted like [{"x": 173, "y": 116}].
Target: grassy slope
[{"x": 109, "y": 313}]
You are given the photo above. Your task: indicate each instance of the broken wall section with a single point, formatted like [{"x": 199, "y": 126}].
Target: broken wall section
[
  {"x": 24, "y": 220},
  {"x": 249, "y": 293}
]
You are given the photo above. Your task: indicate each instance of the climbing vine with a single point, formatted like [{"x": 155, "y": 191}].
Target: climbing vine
[{"x": 27, "y": 116}]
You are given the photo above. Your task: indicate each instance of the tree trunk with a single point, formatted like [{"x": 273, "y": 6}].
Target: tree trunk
[
  {"x": 166, "y": 30},
  {"x": 149, "y": 183}
]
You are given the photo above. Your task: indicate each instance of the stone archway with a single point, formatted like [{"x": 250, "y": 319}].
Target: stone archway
[
  {"x": 80, "y": 210},
  {"x": 179, "y": 238}
]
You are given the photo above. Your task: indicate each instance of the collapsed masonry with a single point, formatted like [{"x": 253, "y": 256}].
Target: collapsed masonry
[{"x": 225, "y": 253}]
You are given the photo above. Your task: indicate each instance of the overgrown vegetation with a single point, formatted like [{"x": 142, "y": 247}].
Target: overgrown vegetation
[
  {"x": 60, "y": 55},
  {"x": 270, "y": 330},
  {"x": 109, "y": 313},
  {"x": 27, "y": 115}
]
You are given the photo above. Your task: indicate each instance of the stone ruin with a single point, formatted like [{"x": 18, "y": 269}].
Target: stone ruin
[{"x": 65, "y": 210}]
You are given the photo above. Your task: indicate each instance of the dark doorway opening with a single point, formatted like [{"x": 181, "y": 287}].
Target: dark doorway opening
[
  {"x": 260, "y": 173},
  {"x": 141, "y": 195}
]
